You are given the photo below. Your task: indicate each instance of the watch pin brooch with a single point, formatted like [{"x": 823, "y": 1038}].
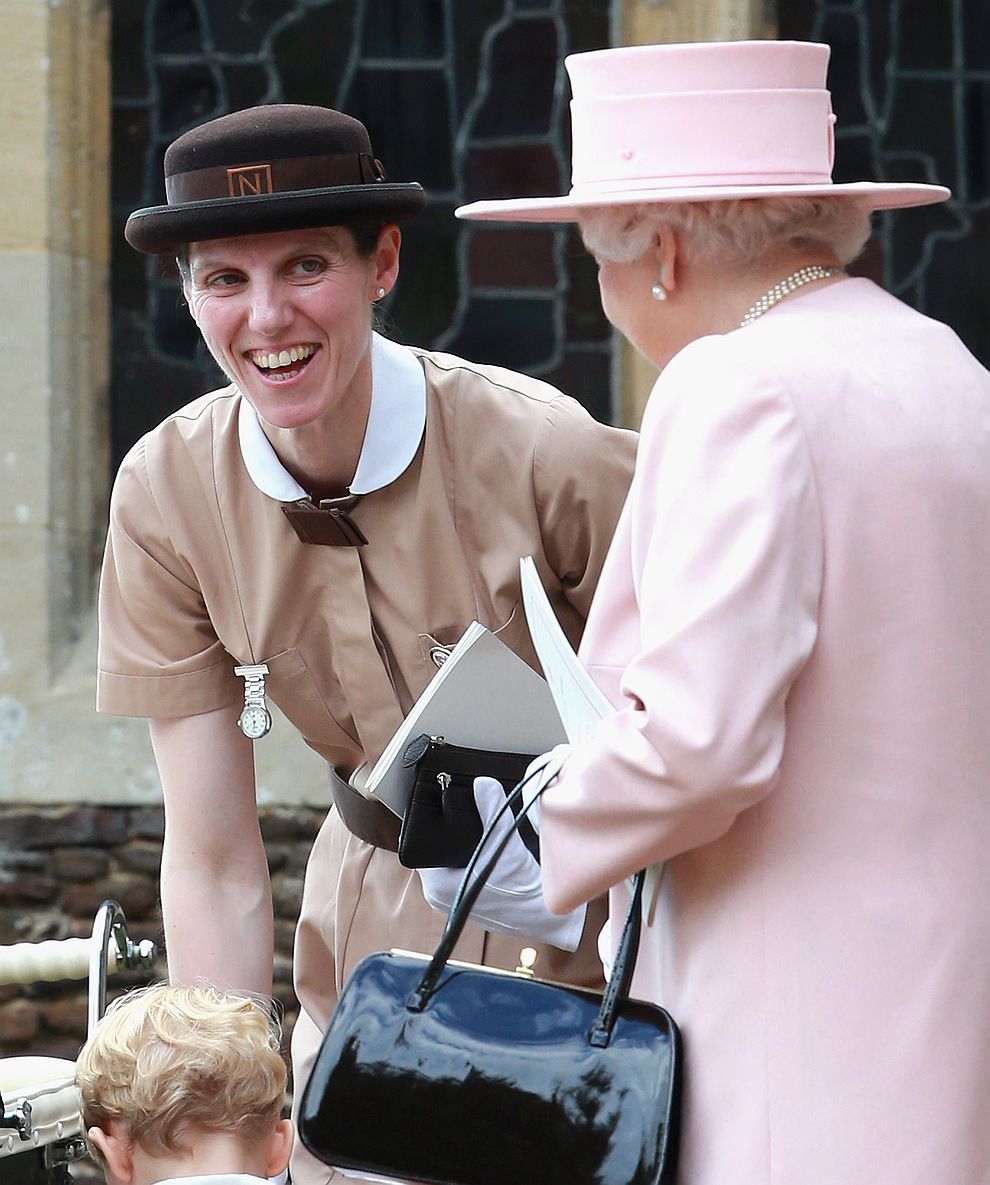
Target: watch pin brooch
[{"x": 255, "y": 720}]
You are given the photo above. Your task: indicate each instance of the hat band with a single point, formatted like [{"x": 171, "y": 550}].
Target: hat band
[
  {"x": 281, "y": 175},
  {"x": 713, "y": 181},
  {"x": 769, "y": 137}
]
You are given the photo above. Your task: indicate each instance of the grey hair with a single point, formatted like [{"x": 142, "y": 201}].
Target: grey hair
[{"x": 739, "y": 231}]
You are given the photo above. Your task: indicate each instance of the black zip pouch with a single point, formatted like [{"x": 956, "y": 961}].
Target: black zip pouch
[{"x": 441, "y": 826}]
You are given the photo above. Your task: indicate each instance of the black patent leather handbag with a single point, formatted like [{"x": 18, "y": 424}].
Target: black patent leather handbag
[{"x": 437, "y": 1071}]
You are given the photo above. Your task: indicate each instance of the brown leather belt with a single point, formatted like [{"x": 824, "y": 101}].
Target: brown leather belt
[{"x": 368, "y": 820}]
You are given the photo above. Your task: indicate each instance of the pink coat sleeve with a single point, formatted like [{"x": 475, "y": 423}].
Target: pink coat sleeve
[{"x": 706, "y": 612}]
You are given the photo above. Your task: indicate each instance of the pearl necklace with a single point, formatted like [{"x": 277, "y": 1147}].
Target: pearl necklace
[{"x": 804, "y": 275}]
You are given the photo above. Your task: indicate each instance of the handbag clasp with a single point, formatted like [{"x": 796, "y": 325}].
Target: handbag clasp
[{"x": 527, "y": 961}]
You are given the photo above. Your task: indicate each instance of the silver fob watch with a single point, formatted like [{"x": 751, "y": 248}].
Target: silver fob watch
[{"x": 255, "y": 720}]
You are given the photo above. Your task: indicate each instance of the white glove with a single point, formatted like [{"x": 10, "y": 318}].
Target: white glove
[
  {"x": 540, "y": 772},
  {"x": 512, "y": 900}
]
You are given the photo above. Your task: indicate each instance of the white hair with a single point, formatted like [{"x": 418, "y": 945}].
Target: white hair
[{"x": 734, "y": 232}]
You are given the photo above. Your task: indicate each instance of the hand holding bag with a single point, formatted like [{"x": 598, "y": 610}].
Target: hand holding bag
[
  {"x": 441, "y": 826},
  {"x": 443, "y": 1072}
]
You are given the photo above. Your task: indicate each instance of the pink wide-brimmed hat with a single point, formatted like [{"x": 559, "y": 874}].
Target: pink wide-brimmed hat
[{"x": 697, "y": 122}]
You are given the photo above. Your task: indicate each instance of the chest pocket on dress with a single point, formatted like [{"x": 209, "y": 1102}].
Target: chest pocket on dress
[
  {"x": 291, "y": 685},
  {"x": 512, "y": 631}
]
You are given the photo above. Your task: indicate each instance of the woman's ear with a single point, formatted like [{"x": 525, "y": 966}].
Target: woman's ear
[
  {"x": 386, "y": 259},
  {"x": 279, "y": 1147},
  {"x": 667, "y": 251}
]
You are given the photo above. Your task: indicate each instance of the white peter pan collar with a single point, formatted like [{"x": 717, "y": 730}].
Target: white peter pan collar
[
  {"x": 396, "y": 420},
  {"x": 217, "y": 1179}
]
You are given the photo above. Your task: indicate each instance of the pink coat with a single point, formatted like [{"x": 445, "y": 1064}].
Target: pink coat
[{"x": 794, "y": 623}]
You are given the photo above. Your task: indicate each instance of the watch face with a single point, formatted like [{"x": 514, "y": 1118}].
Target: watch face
[{"x": 254, "y": 721}]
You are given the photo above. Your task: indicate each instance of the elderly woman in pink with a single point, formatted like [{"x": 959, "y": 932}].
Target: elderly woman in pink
[{"x": 793, "y": 624}]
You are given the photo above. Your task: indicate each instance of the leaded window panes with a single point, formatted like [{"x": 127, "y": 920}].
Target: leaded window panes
[{"x": 470, "y": 99}]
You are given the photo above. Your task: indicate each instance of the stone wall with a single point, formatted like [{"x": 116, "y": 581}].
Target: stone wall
[
  {"x": 54, "y": 259},
  {"x": 58, "y": 863}
]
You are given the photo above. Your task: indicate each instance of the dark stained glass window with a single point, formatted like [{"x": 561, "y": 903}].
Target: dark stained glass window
[
  {"x": 911, "y": 90},
  {"x": 470, "y": 99}
]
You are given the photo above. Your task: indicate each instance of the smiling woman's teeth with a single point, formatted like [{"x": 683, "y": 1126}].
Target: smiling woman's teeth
[{"x": 282, "y": 358}]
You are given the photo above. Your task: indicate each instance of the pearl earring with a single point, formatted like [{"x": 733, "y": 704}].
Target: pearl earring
[
  {"x": 380, "y": 293},
  {"x": 658, "y": 292}
]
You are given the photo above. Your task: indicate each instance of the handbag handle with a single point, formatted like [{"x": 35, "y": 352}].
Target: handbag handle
[{"x": 468, "y": 891}]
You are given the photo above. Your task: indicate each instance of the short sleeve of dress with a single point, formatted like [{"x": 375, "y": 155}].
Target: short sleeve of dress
[
  {"x": 581, "y": 475},
  {"x": 159, "y": 654}
]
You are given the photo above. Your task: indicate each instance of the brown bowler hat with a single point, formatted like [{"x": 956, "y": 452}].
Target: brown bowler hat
[{"x": 279, "y": 167}]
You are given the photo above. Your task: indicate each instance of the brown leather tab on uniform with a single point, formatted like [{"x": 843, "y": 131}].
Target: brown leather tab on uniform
[
  {"x": 329, "y": 524},
  {"x": 368, "y": 820}
]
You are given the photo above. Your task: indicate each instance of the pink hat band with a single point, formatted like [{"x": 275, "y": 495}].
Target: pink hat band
[
  {"x": 698, "y": 122},
  {"x": 764, "y": 137}
]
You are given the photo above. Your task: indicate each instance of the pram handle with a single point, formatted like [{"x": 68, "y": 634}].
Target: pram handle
[
  {"x": 65, "y": 958},
  {"x": 39, "y": 1105},
  {"x": 109, "y": 948}
]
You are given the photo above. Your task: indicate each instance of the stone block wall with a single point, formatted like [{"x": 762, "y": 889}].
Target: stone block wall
[{"x": 58, "y": 863}]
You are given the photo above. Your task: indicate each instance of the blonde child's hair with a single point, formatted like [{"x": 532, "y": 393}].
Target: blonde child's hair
[{"x": 166, "y": 1062}]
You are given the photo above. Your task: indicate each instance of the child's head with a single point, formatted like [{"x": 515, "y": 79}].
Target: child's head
[{"x": 169, "y": 1067}]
